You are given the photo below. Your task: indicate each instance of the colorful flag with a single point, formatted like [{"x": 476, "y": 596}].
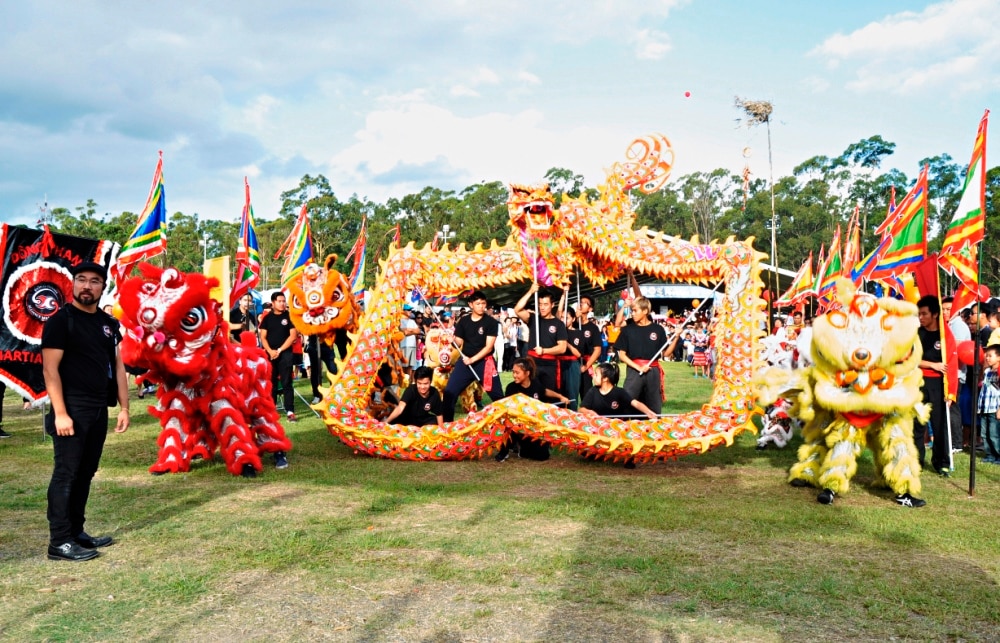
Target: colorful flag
[
  {"x": 834, "y": 268},
  {"x": 863, "y": 268},
  {"x": 852, "y": 243},
  {"x": 35, "y": 281},
  {"x": 820, "y": 269},
  {"x": 908, "y": 233},
  {"x": 248, "y": 251},
  {"x": 801, "y": 287},
  {"x": 968, "y": 225},
  {"x": 890, "y": 217},
  {"x": 297, "y": 248},
  {"x": 358, "y": 251},
  {"x": 150, "y": 235}
]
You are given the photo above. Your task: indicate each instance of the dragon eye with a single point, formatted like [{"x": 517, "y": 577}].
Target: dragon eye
[{"x": 193, "y": 319}]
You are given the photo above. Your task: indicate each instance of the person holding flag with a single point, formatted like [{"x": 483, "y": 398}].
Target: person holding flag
[{"x": 934, "y": 365}]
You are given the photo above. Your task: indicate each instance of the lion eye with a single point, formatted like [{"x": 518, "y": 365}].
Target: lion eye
[
  {"x": 296, "y": 304},
  {"x": 337, "y": 295},
  {"x": 193, "y": 319}
]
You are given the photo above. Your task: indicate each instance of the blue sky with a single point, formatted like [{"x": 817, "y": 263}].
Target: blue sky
[{"x": 385, "y": 98}]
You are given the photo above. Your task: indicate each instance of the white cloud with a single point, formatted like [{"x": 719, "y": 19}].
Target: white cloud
[
  {"x": 463, "y": 91},
  {"x": 651, "y": 44},
  {"x": 529, "y": 78},
  {"x": 948, "y": 43}
]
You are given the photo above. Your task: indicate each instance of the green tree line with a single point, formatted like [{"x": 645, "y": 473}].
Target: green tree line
[{"x": 821, "y": 193}]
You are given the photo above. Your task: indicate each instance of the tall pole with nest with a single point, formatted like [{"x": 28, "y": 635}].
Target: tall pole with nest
[{"x": 757, "y": 112}]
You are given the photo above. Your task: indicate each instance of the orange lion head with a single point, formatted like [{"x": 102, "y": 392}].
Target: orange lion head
[{"x": 320, "y": 301}]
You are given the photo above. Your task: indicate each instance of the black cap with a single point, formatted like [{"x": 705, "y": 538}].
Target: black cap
[{"x": 89, "y": 266}]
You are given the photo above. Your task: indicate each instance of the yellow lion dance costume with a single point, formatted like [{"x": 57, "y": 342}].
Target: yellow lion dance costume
[{"x": 863, "y": 390}]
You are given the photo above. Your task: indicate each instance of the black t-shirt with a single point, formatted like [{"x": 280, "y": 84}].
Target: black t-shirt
[
  {"x": 551, "y": 331},
  {"x": 534, "y": 390},
  {"x": 616, "y": 403},
  {"x": 641, "y": 342},
  {"x": 87, "y": 363},
  {"x": 421, "y": 411},
  {"x": 577, "y": 341},
  {"x": 930, "y": 341},
  {"x": 592, "y": 338},
  {"x": 278, "y": 328},
  {"x": 474, "y": 333},
  {"x": 247, "y": 322}
]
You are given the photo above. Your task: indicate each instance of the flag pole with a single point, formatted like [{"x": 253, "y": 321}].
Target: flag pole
[
  {"x": 975, "y": 381},
  {"x": 944, "y": 357}
]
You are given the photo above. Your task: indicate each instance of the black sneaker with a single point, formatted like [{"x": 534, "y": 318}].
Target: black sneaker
[
  {"x": 944, "y": 472},
  {"x": 248, "y": 471},
  {"x": 72, "y": 552},
  {"x": 799, "y": 482},
  {"x": 825, "y": 497},
  {"x": 4, "y": 434},
  {"x": 906, "y": 500},
  {"x": 280, "y": 460},
  {"x": 502, "y": 454}
]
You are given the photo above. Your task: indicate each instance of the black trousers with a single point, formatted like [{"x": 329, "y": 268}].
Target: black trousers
[
  {"x": 76, "y": 458},
  {"x": 315, "y": 363},
  {"x": 586, "y": 383},
  {"x": 281, "y": 371},
  {"x": 545, "y": 372},
  {"x": 934, "y": 395},
  {"x": 461, "y": 376}
]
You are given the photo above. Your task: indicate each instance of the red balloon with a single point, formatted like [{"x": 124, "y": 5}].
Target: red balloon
[
  {"x": 967, "y": 352},
  {"x": 687, "y": 94}
]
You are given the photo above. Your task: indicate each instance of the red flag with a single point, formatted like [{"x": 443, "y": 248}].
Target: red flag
[{"x": 926, "y": 274}]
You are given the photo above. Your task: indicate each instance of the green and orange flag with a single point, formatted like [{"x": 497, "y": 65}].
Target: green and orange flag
[{"x": 968, "y": 225}]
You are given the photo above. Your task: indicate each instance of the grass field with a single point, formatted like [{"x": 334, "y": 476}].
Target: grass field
[{"x": 343, "y": 547}]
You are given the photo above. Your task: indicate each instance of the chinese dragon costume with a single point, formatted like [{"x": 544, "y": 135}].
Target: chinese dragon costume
[{"x": 552, "y": 246}]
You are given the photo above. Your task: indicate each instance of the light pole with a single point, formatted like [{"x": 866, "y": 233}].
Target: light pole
[
  {"x": 445, "y": 234},
  {"x": 204, "y": 244}
]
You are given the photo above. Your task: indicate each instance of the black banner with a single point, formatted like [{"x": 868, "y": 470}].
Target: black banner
[{"x": 34, "y": 283}]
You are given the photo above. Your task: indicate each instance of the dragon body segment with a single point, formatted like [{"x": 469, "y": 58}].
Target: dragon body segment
[{"x": 550, "y": 245}]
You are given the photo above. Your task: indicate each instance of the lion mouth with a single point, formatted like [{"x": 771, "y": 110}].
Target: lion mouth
[
  {"x": 862, "y": 381},
  {"x": 323, "y": 316}
]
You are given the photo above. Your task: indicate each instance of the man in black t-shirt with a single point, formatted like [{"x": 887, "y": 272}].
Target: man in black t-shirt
[
  {"x": 547, "y": 338},
  {"x": 570, "y": 366},
  {"x": 242, "y": 318},
  {"x": 420, "y": 403},
  {"x": 640, "y": 346},
  {"x": 591, "y": 352},
  {"x": 475, "y": 334},
  {"x": 81, "y": 365},
  {"x": 935, "y": 369},
  {"x": 277, "y": 334}
]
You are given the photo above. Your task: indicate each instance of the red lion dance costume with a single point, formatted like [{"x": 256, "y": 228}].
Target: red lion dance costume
[{"x": 213, "y": 394}]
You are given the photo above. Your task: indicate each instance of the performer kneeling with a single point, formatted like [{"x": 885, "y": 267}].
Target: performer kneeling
[
  {"x": 525, "y": 383},
  {"x": 608, "y": 400},
  {"x": 421, "y": 402}
]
